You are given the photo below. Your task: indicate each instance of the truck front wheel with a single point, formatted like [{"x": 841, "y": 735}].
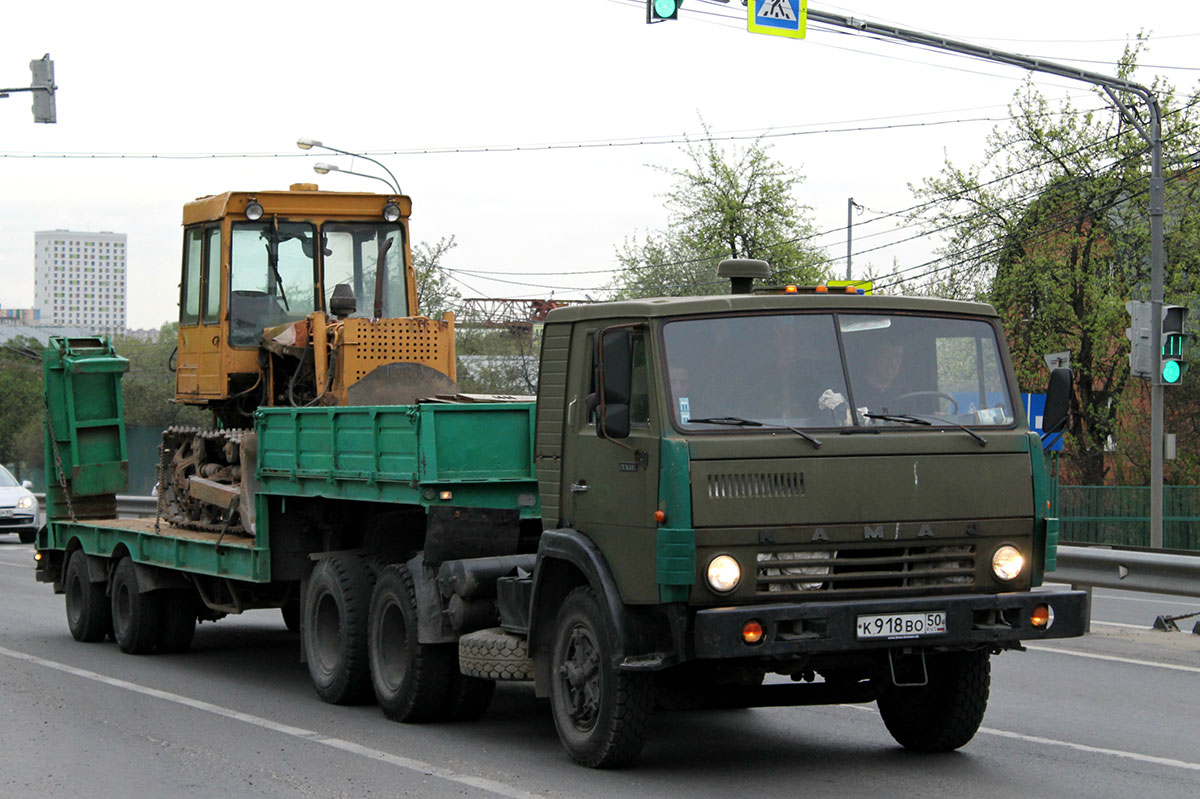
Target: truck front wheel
[
  {"x": 599, "y": 711},
  {"x": 946, "y": 712},
  {"x": 335, "y": 629},
  {"x": 89, "y": 614},
  {"x": 412, "y": 680}
]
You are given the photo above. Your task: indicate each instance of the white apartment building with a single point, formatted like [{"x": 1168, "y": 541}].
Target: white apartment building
[{"x": 79, "y": 280}]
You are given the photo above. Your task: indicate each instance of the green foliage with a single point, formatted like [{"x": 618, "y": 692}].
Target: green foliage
[
  {"x": 148, "y": 388},
  {"x": 1052, "y": 228},
  {"x": 725, "y": 205},
  {"x": 21, "y": 412},
  {"x": 497, "y": 361},
  {"x": 436, "y": 293}
]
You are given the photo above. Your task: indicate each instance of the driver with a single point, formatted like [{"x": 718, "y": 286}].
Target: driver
[{"x": 876, "y": 386}]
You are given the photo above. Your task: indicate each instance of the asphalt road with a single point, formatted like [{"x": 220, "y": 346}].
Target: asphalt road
[{"x": 1111, "y": 715}]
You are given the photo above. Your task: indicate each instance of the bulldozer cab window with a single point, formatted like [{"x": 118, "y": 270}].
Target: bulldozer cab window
[
  {"x": 212, "y": 275},
  {"x": 352, "y": 255},
  {"x": 189, "y": 301},
  {"x": 272, "y": 277}
]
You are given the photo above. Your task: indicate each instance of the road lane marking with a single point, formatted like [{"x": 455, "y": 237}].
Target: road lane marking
[
  {"x": 1122, "y": 624},
  {"x": 1148, "y": 601},
  {"x": 1112, "y": 658},
  {"x": 1098, "y": 750},
  {"x": 419, "y": 766}
]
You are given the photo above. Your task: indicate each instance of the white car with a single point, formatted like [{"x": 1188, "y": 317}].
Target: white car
[{"x": 18, "y": 507}]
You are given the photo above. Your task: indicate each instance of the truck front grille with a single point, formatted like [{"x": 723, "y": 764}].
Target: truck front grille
[{"x": 878, "y": 569}]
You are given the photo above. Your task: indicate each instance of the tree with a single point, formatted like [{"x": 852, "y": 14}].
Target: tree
[
  {"x": 436, "y": 293},
  {"x": 21, "y": 412},
  {"x": 148, "y": 388},
  {"x": 725, "y": 205},
  {"x": 1052, "y": 229}
]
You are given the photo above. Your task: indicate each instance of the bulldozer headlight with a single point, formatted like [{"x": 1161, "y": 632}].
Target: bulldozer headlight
[{"x": 391, "y": 212}]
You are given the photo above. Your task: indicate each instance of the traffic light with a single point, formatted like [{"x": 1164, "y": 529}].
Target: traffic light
[
  {"x": 659, "y": 10},
  {"x": 1141, "y": 350},
  {"x": 1174, "y": 319},
  {"x": 43, "y": 89}
]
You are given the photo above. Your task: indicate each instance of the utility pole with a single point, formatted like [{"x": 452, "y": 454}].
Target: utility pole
[
  {"x": 1150, "y": 130},
  {"x": 850, "y": 206}
]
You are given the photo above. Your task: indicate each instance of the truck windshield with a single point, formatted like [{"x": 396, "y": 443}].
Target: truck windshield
[
  {"x": 822, "y": 370},
  {"x": 272, "y": 277},
  {"x": 352, "y": 252}
]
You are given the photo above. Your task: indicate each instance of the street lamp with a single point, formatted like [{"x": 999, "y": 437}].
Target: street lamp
[{"x": 321, "y": 169}]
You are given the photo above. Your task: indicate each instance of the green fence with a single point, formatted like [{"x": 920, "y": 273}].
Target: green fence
[{"x": 1120, "y": 515}]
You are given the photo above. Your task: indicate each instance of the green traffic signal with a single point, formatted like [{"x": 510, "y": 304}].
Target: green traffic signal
[
  {"x": 1174, "y": 322},
  {"x": 665, "y": 9}
]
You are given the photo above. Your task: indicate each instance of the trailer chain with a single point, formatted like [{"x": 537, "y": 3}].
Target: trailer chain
[{"x": 58, "y": 467}]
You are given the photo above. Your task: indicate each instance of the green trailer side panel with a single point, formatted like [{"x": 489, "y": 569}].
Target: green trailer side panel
[{"x": 480, "y": 454}]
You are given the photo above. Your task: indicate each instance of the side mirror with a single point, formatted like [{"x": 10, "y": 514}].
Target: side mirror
[
  {"x": 614, "y": 381},
  {"x": 1058, "y": 401},
  {"x": 27, "y": 485}
]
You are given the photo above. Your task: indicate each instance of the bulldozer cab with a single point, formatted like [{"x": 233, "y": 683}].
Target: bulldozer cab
[{"x": 281, "y": 270}]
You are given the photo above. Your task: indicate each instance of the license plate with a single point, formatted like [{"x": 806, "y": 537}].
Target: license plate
[{"x": 902, "y": 625}]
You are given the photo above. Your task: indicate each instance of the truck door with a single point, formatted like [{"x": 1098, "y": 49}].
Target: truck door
[{"x": 610, "y": 486}]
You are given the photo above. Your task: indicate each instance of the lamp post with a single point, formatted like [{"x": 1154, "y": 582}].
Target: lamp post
[{"x": 321, "y": 169}]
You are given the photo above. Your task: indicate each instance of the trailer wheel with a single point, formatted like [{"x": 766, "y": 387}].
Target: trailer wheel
[
  {"x": 178, "y": 621},
  {"x": 136, "y": 617},
  {"x": 89, "y": 613},
  {"x": 599, "y": 711},
  {"x": 945, "y": 713},
  {"x": 411, "y": 679},
  {"x": 335, "y": 629}
]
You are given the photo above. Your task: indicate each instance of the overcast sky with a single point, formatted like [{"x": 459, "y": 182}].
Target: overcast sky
[{"x": 150, "y": 92}]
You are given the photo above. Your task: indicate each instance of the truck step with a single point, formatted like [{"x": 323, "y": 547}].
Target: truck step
[{"x": 494, "y": 654}]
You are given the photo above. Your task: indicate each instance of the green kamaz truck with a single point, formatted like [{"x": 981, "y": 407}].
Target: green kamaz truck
[{"x": 769, "y": 498}]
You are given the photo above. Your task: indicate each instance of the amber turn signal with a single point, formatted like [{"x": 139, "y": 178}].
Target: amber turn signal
[
  {"x": 752, "y": 632},
  {"x": 1041, "y": 617},
  {"x": 660, "y": 516}
]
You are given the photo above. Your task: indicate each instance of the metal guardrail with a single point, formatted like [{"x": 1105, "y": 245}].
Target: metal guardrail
[
  {"x": 1128, "y": 570},
  {"x": 129, "y": 506}
]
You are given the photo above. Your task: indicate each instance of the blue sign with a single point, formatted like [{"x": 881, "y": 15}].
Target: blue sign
[
  {"x": 777, "y": 17},
  {"x": 1035, "y": 405}
]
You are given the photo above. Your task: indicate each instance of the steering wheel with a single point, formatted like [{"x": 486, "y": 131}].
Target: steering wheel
[{"x": 940, "y": 395}]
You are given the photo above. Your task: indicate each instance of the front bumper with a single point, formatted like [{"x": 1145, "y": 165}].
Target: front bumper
[{"x": 821, "y": 627}]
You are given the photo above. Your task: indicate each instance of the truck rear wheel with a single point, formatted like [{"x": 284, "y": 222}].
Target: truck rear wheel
[
  {"x": 946, "y": 712},
  {"x": 599, "y": 711},
  {"x": 411, "y": 679},
  {"x": 335, "y": 629},
  {"x": 89, "y": 613},
  {"x": 136, "y": 617}
]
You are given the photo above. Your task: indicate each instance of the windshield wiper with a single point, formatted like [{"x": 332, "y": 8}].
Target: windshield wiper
[
  {"x": 743, "y": 422},
  {"x": 923, "y": 419},
  {"x": 978, "y": 437},
  {"x": 898, "y": 417}
]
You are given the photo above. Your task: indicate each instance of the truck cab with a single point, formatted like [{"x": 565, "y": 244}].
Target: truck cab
[{"x": 837, "y": 488}]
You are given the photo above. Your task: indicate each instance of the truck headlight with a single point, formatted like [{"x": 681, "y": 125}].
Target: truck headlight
[
  {"x": 723, "y": 574},
  {"x": 26, "y": 502},
  {"x": 1007, "y": 562}
]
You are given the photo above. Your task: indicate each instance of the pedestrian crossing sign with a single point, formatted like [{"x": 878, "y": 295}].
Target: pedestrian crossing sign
[{"x": 777, "y": 17}]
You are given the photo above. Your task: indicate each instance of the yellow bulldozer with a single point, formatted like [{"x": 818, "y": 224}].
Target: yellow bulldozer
[{"x": 294, "y": 298}]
